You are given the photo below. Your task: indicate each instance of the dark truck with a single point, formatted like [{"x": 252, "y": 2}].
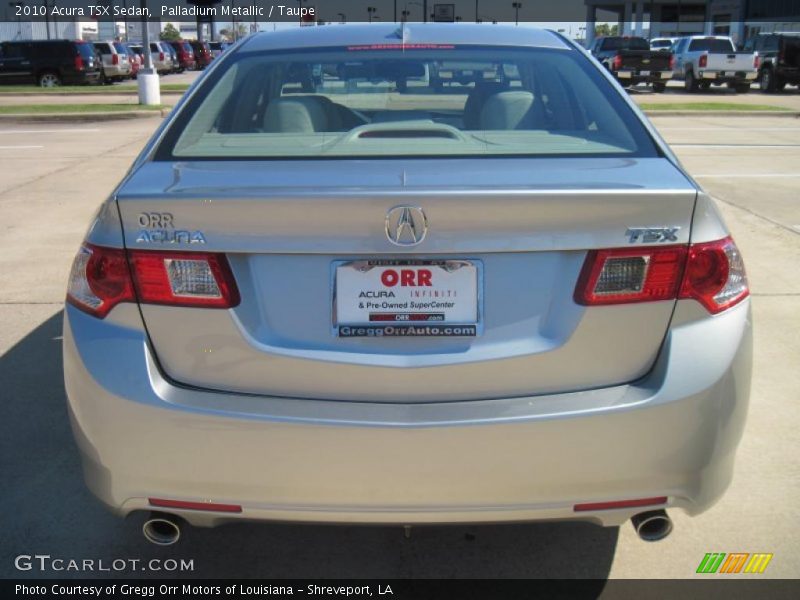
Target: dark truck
[
  {"x": 777, "y": 59},
  {"x": 631, "y": 61}
]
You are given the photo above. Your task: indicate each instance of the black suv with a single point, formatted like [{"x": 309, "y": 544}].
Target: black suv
[
  {"x": 48, "y": 63},
  {"x": 778, "y": 59}
]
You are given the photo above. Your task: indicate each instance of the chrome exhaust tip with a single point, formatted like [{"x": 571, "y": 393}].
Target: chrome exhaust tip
[
  {"x": 162, "y": 529},
  {"x": 653, "y": 525}
]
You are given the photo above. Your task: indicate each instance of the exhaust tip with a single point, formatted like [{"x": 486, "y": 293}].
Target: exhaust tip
[
  {"x": 162, "y": 530},
  {"x": 653, "y": 525}
]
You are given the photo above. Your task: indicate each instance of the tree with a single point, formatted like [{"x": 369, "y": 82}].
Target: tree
[
  {"x": 604, "y": 29},
  {"x": 169, "y": 33}
]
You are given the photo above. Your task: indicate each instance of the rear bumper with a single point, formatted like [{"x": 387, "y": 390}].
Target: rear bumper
[
  {"x": 673, "y": 433},
  {"x": 638, "y": 76},
  {"x": 729, "y": 76}
]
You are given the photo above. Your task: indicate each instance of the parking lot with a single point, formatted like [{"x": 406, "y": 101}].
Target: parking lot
[{"x": 55, "y": 175}]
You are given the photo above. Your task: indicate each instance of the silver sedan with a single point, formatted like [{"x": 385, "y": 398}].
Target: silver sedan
[{"x": 427, "y": 274}]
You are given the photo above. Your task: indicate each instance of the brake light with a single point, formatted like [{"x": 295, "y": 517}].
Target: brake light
[
  {"x": 184, "y": 279},
  {"x": 103, "y": 277},
  {"x": 703, "y": 61},
  {"x": 160, "y": 57},
  {"x": 671, "y": 62},
  {"x": 715, "y": 275},
  {"x": 617, "y": 62},
  {"x": 115, "y": 59},
  {"x": 756, "y": 61},
  {"x": 625, "y": 275},
  {"x": 79, "y": 63},
  {"x": 712, "y": 273},
  {"x": 99, "y": 280}
]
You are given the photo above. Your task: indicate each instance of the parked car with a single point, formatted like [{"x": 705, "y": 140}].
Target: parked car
[
  {"x": 185, "y": 53},
  {"x": 115, "y": 65},
  {"x": 48, "y": 63},
  {"x": 173, "y": 55},
  {"x": 778, "y": 59},
  {"x": 159, "y": 55},
  {"x": 526, "y": 309},
  {"x": 662, "y": 43},
  {"x": 133, "y": 57},
  {"x": 632, "y": 61},
  {"x": 202, "y": 53},
  {"x": 217, "y": 48},
  {"x": 703, "y": 61}
]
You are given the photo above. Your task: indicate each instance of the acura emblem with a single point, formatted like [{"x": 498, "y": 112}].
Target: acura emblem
[{"x": 406, "y": 225}]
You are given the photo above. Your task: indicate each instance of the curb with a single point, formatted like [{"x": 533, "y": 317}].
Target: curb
[
  {"x": 99, "y": 94},
  {"x": 722, "y": 113},
  {"x": 83, "y": 117}
]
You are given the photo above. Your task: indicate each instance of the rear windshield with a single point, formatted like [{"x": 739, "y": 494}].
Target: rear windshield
[
  {"x": 625, "y": 44},
  {"x": 86, "y": 50},
  {"x": 187, "y": 46},
  {"x": 660, "y": 43},
  {"x": 711, "y": 45},
  {"x": 121, "y": 49},
  {"x": 361, "y": 102}
]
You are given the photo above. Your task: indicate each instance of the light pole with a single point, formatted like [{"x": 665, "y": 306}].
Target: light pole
[
  {"x": 371, "y": 10},
  {"x": 46, "y": 5},
  {"x": 342, "y": 18},
  {"x": 147, "y": 79},
  {"x": 477, "y": 16},
  {"x": 517, "y": 6},
  {"x": 18, "y": 6}
]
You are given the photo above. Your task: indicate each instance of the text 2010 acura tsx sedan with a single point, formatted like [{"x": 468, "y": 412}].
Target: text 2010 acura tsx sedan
[{"x": 427, "y": 274}]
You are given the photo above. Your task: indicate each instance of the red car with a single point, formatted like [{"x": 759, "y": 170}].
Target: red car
[
  {"x": 186, "y": 58},
  {"x": 202, "y": 53}
]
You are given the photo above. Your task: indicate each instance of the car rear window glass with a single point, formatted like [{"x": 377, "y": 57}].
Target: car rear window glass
[
  {"x": 187, "y": 46},
  {"x": 120, "y": 47},
  {"x": 711, "y": 45},
  {"x": 625, "y": 44},
  {"x": 86, "y": 50},
  {"x": 453, "y": 101}
]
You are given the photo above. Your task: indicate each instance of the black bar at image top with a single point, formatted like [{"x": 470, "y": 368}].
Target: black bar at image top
[{"x": 312, "y": 12}]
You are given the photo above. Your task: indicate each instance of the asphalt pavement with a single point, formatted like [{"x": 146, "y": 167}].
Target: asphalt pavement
[{"x": 53, "y": 178}]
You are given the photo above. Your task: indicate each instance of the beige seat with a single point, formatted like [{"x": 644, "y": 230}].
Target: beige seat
[
  {"x": 296, "y": 114},
  {"x": 512, "y": 110}
]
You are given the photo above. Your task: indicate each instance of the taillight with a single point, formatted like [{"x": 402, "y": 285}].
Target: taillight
[
  {"x": 79, "y": 63},
  {"x": 99, "y": 280},
  {"x": 715, "y": 275},
  {"x": 671, "y": 62},
  {"x": 184, "y": 279},
  {"x": 115, "y": 59},
  {"x": 617, "y": 62},
  {"x": 103, "y": 277},
  {"x": 624, "y": 275},
  {"x": 703, "y": 61},
  {"x": 711, "y": 273},
  {"x": 160, "y": 57},
  {"x": 756, "y": 61}
]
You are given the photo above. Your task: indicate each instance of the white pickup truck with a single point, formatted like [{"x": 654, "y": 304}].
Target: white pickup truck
[{"x": 703, "y": 61}]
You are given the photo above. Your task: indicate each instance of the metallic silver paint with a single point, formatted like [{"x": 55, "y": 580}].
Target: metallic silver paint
[{"x": 482, "y": 442}]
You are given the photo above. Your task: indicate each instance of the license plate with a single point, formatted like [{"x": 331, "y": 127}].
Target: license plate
[
  {"x": 406, "y": 298},
  {"x": 645, "y": 73}
]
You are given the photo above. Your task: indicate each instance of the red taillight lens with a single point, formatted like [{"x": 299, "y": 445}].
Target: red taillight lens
[
  {"x": 102, "y": 277},
  {"x": 703, "y": 61},
  {"x": 617, "y": 62},
  {"x": 625, "y": 275},
  {"x": 99, "y": 280},
  {"x": 79, "y": 63},
  {"x": 671, "y": 62},
  {"x": 591, "y": 506},
  {"x": 184, "y": 279},
  {"x": 712, "y": 273},
  {"x": 756, "y": 61},
  {"x": 115, "y": 59},
  {"x": 161, "y": 57},
  {"x": 715, "y": 275}
]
